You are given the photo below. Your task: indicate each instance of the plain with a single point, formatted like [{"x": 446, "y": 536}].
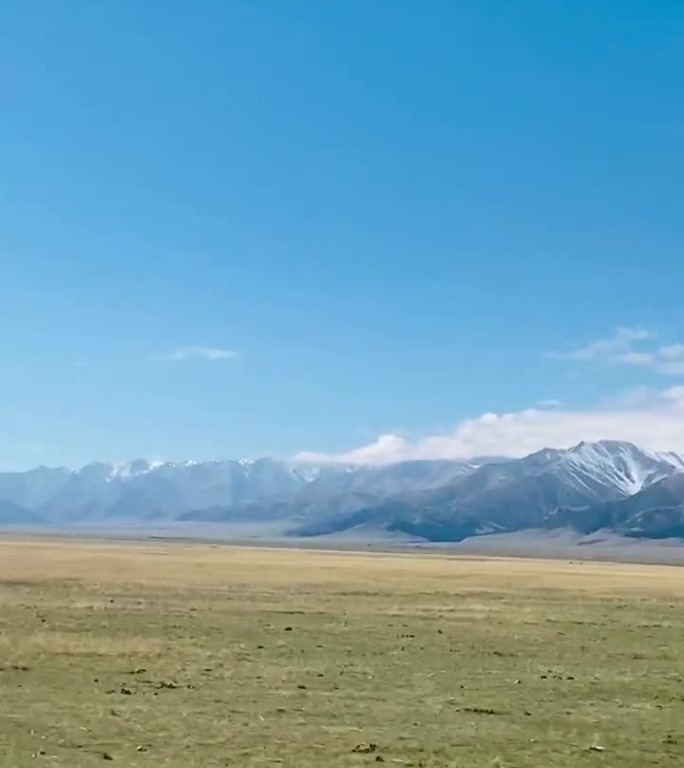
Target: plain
[{"x": 168, "y": 654}]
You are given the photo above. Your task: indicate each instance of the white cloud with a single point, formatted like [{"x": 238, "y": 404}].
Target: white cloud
[
  {"x": 198, "y": 353},
  {"x": 653, "y": 420},
  {"x": 630, "y": 346},
  {"x": 613, "y": 349}
]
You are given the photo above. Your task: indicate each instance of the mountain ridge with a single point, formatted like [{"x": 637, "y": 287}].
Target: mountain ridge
[{"x": 607, "y": 483}]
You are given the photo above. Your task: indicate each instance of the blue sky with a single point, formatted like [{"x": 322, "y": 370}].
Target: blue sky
[{"x": 236, "y": 228}]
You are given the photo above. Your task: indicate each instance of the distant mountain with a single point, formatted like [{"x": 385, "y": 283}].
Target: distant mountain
[
  {"x": 511, "y": 495},
  {"x": 592, "y": 486},
  {"x": 356, "y": 487},
  {"x": 342, "y": 489},
  {"x": 12, "y": 515},
  {"x": 142, "y": 490}
]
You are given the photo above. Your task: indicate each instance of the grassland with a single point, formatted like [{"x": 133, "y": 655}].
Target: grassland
[{"x": 178, "y": 655}]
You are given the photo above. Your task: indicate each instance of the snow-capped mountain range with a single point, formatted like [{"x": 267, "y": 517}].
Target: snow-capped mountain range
[{"x": 607, "y": 484}]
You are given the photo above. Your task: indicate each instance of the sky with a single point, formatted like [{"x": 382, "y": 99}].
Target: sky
[{"x": 366, "y": 231}]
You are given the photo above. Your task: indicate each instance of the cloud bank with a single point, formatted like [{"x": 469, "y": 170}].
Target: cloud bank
[{"x": 653, "y": 420}]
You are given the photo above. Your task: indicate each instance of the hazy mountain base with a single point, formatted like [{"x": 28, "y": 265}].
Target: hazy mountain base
[{"x": 536, "y": 543}]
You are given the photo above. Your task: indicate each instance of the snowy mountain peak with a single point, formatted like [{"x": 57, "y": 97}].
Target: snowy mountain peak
[
  {"x": 489, "y": 495},
  {"x": 623, "y": 464}
]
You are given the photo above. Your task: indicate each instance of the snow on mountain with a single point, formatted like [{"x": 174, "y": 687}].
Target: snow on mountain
[
  {"x": 505, "y": 495},
  {"x": 144, "y": 489},
  {"x": 132, "y": 468},
  {"x": 621, "y": 464},
  {"x": 675, "y": 460},
  {"x": 434, "y": 499}
]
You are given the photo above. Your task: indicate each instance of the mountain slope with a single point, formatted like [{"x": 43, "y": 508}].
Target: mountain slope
[
  {"x": 656, "y": 511},
  {"x": 13, "y": 515},
  {"x": 590, "y": 486},
  {"x": 510, "y": 495},
  {"x": 142, "y": 490},
  {"x": 343, "y": 489}
]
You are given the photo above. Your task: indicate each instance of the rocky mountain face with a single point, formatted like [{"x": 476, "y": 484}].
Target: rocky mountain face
[
  {"x": 509, "y": 495},
  {"x": 655, "y": 512},
  {"x": 592, "y": 486}
]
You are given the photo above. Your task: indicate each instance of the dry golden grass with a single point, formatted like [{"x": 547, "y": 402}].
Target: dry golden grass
[
  {"x": 197, "y": 655},
  {"x": 201, "y": 565}
]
